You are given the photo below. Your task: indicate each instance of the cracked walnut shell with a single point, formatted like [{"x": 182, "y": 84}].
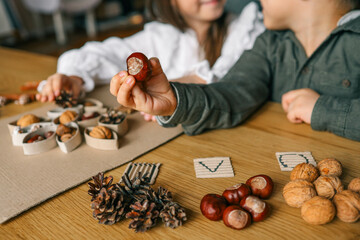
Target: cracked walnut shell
[
  {"x": 348, "y": 206},
  {"x": 354, "y": 185},
  {"x": 330, "y": 166},
  {"x": 101, "y": 132},
  {"x": 27, "y": 119},
  {"x": 328, "y": 186},
  {"x": 67, "y": 116},
  {"x": 305, "y": 171},
  {"x": 318, "y": 210},
  {"x": 297, "y": 192}
]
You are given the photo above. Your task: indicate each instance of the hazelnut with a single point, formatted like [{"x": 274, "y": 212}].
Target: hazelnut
[
  {"x": 66, "y": 137},
  {"x": 67, "y": 116},
  {"x": 318, "y": 210},
  {"x": 101, "y": 132},
  {"x": 348, "y": 206},
  {"x": 27, "y": 119},
  {"x": 62, "y": 129},
  {"x": 328, "y": 186},
  {"x": 330, "y": 166},
  {"x": 305, "y": 171},
  {"x": 297, "y": 192},
  {"x": 354, "y": 185}
]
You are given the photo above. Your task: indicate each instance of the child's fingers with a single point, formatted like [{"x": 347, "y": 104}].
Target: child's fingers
[
  {"x": 155, "y": 66},
  {"x": 288, "y": 98},
  {"x": 124, "y": 93},
  {"x": 56, "y": 82},
  {"x": 116, "y": 82},
  {"x": 293, "y": 115}
]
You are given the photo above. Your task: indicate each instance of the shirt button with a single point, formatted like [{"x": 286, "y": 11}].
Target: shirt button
[
  {"x": 346, "y": 83},
  {"x": 305, "y": 70}
]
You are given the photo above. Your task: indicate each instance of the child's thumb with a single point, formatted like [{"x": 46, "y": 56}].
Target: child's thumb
[{"x": 155, "y": 66}]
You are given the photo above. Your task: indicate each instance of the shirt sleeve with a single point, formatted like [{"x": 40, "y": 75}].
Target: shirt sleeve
[
  {"x": 242, "y": 33},
  {"x": 340, "y": 116},
  {"x": 227, "y": 103}
]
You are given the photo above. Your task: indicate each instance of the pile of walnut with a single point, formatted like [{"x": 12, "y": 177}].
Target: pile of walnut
[{"x": 321, "y": 195}]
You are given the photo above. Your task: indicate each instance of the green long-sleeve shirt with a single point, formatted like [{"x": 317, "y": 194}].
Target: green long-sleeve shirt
[{"x": 277, "y": 64}]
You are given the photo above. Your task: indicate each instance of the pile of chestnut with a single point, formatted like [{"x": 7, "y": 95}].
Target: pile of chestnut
[{"x": 240, "y": 204}]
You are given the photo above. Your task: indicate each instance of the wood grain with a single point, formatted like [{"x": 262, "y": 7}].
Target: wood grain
[{"x": 251, "y": 147}]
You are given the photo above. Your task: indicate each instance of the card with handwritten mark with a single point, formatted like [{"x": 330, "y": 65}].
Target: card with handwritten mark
[
  {"x": 213, "y": 167},
  {"x": 288, "y": 160}
]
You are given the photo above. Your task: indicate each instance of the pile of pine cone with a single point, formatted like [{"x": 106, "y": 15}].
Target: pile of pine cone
[{"x": 135, "y": 200}]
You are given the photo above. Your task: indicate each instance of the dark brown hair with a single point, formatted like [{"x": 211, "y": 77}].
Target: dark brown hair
[
  {"x": 353, "y": 4},
  {"x": 163, "y": 11}
]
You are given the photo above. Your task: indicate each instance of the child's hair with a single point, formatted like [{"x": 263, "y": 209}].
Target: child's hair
[
  {"x": 353, "y": 4},
  {"x": 164, "y": 11}
]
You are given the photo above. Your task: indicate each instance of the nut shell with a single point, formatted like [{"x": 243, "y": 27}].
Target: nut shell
[
  {"x": 297, "y": 192},
  {"x": 305, "y": 171},
  {"x": 330, "y": 166},
  {"x": 348, "y": 206},
  {"x": 62, "y": 129},
  {"x": 67, "y": 116},
  {"x": 328, "y": 186},
  {"x": 354, "y": 185},
  {"x": 318, "y": 210},
  {"x": 27, "y": 119},
  {"x": 101, "y": 132}
]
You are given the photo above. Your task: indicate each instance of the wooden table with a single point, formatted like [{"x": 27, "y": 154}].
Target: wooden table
[{"x": 252, "y": 149}]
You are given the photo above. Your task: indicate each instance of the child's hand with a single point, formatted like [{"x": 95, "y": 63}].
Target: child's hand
[
  {"x": 57, "y": 82},
  {"x": 299, "y": 104},
  {"x": 154, "y": 96},
  {"x": 148, "y": 117}
]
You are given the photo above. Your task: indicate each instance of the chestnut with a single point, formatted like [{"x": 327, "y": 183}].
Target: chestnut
[
  {"x": 235, "y": 217},
  {"x": 212, "y": 206},
  {"x": 139, "y": 66},
  {"x": 87, "y": 116},
  {"x": 237, "y": 192},
  {"x": 258, "y": 209},
  {"x": 261, "y": 186}
]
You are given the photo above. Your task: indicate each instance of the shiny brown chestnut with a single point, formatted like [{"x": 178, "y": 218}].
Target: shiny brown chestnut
[
  {"x": 235, "y": 217},
  {"x": 212, "y": 206},
  {"x": 258, "y": 208},
  {"x": 261, "y": 186},
  {"x": 139, "y": 66},
  {"x": 235, "y": 193}
]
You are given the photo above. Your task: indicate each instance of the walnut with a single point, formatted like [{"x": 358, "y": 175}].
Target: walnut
[
  {"x": 67, "y": 116},
  {"x": 27, "y": 119},
  {"x": 354, "y": 185},
  {"x": 297, "y": 192},
  {"x": 318, "y": 210},
  {"x": 101, "y": 132},
  {"x": 62, "y": 129},
  {"x": 328, "y": 186},
  {"x": 66, "y": 137},
  {"x": 330, "y": 166},
  {"x": 305, "y": 171},
  {"x": 348, "y": 206}
]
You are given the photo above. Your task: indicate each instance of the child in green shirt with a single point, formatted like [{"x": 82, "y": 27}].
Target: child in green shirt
[{"x": 308, "y": 60}]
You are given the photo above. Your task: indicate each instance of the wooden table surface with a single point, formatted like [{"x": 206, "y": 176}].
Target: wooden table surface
[{"x": 251, "y": 147}]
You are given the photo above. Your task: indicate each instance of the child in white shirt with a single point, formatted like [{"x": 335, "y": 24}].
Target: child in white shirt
[{"x": 194, "y": 39}]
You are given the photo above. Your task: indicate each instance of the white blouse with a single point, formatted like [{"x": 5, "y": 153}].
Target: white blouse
[{"x": 179, "y": 53}]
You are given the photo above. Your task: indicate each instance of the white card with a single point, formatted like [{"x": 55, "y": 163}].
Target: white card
[
  {"x": 213, "y": 167},
  {"x": 288, "y": 160}
]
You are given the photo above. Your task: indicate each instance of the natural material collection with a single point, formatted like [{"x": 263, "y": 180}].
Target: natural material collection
[
  {"x": 319, "y": 193},
  {"x": 135, "y": 200},
  {"x": 240, "y": 204}
]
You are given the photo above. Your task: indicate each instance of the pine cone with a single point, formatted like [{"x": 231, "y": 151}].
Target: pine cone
[
  {"x": 138, "y": 188},
  {"x": 173, "y": 215},
  {"x": 144, "y": 215},
  {"x": 99, "y": 182},
  {"x": 110, "y": 205}
]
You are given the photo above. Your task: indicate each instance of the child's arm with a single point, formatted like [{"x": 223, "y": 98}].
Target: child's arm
[
  {"x": 199, "y": 107},
  {"x": 154, "y": 96}
]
